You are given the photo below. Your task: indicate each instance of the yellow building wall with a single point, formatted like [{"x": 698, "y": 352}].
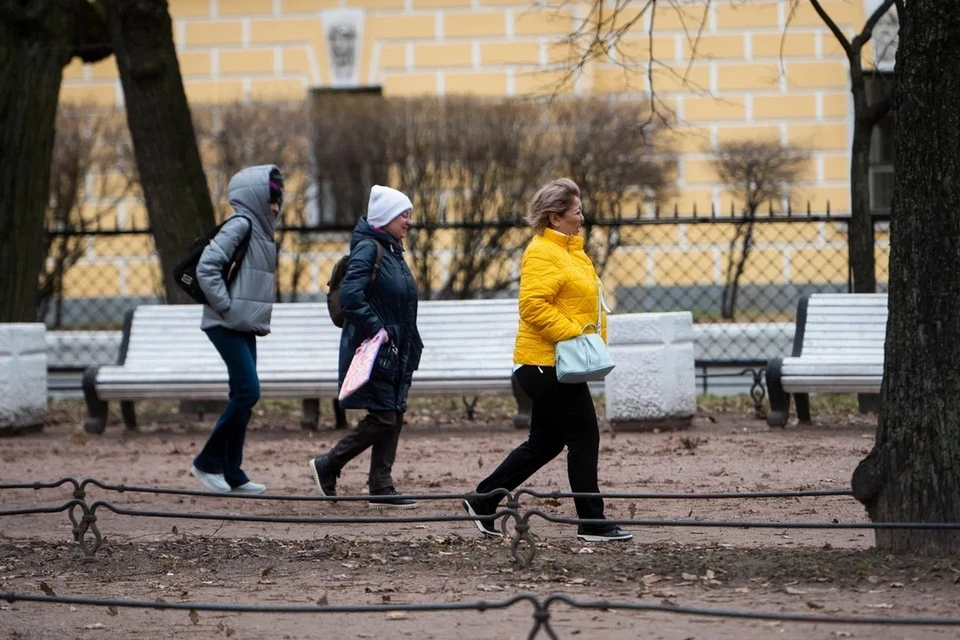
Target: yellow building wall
[{"x": 728, "y": 71}]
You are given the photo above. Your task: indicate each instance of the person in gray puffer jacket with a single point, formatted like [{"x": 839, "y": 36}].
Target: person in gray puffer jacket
[{"x": 236, "y": 313}]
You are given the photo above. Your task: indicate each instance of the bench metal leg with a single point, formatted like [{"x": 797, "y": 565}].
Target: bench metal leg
[
  {"x": 521, "y": 420},
  {"x": 340, "y": 414},
  {"x": 310, "y": 416},
  {"x": 470, "y": 407},
  {"x": 129, "y": 413},
  {"x": 802, "y": 401},
  {"x": 779, "y": 399},
  {"x": 96, "y": 420},
  {"x": 868, "y": 402}
]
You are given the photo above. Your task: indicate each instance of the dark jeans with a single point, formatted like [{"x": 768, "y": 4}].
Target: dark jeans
[
  {"x": 223, "y": 452},
  {"x": 563, "y": 415},
  {"x": 379, "y": 430}
]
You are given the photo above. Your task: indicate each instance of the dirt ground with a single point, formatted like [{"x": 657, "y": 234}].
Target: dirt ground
[{"x": 789, "y": 571}]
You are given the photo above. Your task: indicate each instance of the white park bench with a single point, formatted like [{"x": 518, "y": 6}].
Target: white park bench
[
  {"x": 468, "y": 352},
  {"x": 837, "y": 348}
]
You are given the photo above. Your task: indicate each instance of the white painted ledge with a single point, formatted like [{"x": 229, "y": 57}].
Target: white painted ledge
[
  {"x": 23, "y": 377},
  {"x": 653, "y": 385}
]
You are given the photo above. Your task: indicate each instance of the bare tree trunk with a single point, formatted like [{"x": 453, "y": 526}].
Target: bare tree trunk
[
  {"x": 860, "y": 235},
  {"x": 37, "y": 39},
  {"x": 736, "y": 263},
  {"x": 171, "y": 174},
  {"x": 913, "y": 472}
]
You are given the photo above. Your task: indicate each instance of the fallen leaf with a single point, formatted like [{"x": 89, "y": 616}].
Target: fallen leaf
[
  {"x": 742, "y": 590},
  {"x": 266, "y": 572},
  {"x": 95, "y": 625},
  {"x": 111, "y": 610},
  {"x": 396, "y": 615},
  {"x": 72, "y": 608},
  {"x": 323, "y": 600},
  {"x": 194, "y": 616},
  {"x": 794, "y": 591},
  {"x": 896, "y": 585},
  {"x": 688, "y": 577},
  {"x": 229, "y": 632},
  {"x": 174, "y": 530},
  {"x": 385, "y": 598},
  {"x": 881, "y": 605},
  {"x": 814, "y": 605}
]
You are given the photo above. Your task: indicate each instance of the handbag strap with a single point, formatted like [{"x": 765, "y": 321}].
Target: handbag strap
[{"x": 599, "y": 307}]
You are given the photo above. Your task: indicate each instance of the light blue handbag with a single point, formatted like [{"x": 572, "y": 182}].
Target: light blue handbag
[{"x": 585, "y": 358}]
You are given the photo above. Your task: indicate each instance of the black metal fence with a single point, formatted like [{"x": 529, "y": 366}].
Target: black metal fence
[{"x": 740, "y": 277}]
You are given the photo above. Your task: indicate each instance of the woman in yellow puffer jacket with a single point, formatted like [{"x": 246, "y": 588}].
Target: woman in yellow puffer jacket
[{"x": 560, "y": 294}]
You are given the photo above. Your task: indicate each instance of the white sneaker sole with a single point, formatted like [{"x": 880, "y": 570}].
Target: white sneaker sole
[
  {"x": 587, "y": 537},
  {"x": 376, "y": 506},
  {"x": 479, "y": 525},
  {"x": 249, "y": 492},
  {"x": 204, "y": 478}
]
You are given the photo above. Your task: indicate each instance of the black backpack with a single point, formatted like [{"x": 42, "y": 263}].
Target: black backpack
[
  {"x": 185, "y": 273},
  {"x": 336, "y": 277}
]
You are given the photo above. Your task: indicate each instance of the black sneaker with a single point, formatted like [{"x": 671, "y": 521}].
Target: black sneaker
[
  {"x": 386, "y": 498},
  {"x": 602, "y": 533},
  {"x": 325, "y": 475},
  {"x": 487, "y": 526}
]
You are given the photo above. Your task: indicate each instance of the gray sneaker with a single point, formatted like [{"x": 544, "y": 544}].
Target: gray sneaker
[
  {"x": 213, "y": 481},
  {"x": 250, "y": 488}
]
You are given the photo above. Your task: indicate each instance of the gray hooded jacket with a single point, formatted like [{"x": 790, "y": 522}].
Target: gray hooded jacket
[{"x": 248, "y": 304}]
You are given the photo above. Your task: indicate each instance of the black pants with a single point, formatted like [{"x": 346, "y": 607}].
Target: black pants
[
  {"x": 379, "y": 430},
  {"x": 563, "y": 415}
]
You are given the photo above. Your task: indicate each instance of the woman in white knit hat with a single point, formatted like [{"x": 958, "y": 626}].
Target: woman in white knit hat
[{"x": 385, "y": 300}]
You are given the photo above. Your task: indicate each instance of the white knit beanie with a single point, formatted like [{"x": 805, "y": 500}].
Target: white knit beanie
[{"x": 385, "y": 205}]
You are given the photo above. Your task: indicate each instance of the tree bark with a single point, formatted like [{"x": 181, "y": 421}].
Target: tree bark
[
  {"x": 860, "y": 236},
  {"x": 171, "y": 174},
  {"x": 37, "y": 39},
  {"x": 913, "y": 471}
]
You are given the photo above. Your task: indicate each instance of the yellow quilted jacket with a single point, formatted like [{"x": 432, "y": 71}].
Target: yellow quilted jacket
[{"x": 558, "y": 297}]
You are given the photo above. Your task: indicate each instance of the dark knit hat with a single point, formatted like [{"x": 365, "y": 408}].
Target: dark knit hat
[{"x": 276, "y": 187}]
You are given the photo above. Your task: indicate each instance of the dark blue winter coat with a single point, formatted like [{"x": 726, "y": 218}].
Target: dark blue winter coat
[{"x": 391, "y": 303}]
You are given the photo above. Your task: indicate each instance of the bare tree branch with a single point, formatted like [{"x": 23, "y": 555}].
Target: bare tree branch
[
  {"x": 783, "y": 36},
  {"x": 879, "y": 109},
  {"x": 837, "y": 33},
  {"x": 754, "y": 172},
  {"x": 867, "y": 32},
  {"x": 696, "y": 42}
]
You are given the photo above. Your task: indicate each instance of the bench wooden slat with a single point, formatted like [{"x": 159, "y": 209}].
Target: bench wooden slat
[
  {"x": 842, "y": 351},
  {"x": 168, "y": 356}
]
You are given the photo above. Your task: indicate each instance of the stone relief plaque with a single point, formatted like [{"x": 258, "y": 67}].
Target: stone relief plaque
[{"x": 344, "y": 31}]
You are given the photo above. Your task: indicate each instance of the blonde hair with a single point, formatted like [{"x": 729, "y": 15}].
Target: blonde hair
[{"x": 554, "y": 197}]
